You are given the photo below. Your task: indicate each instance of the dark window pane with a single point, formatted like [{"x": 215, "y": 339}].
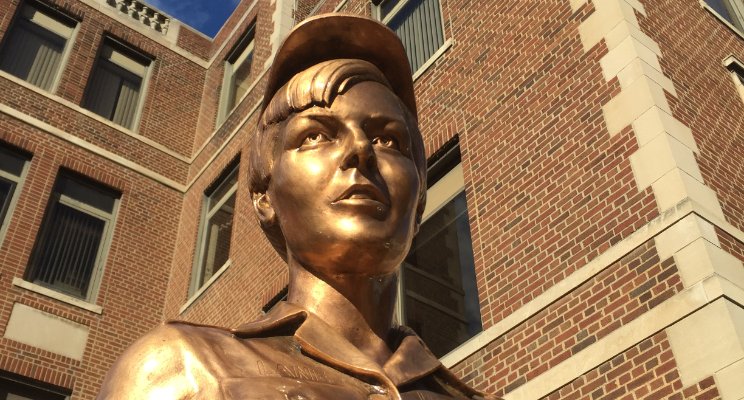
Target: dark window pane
[
  {"x": 66, "y": 253},
  {"x": 113, "y": 93},
  {"x": 32, "y": 53},
  {"x": 217, "y": 237},
  {"x": 725, "y": 9},
  {"x": 96, "y": 197},
  {"x": 11, "y": 162},
  {"x": 419, "y": 26},
  {"x": 14, "y": 388},
  {"x": 387, "y": 6},
  {"x": 224, "y": 187},
  {"x": 69, "y": 247},
  {"x": 6, "y": 194},
  {"x": 440, "y": 293}
]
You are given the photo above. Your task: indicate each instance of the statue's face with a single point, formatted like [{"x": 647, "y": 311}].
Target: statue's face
[{"x": 344, "y": 186}]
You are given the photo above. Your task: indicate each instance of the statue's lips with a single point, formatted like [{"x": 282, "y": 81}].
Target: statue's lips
[{"x": 362, "y": 194}]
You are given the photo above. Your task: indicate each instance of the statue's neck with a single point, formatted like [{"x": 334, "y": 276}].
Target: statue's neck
[{"x": 359, "y": 308}]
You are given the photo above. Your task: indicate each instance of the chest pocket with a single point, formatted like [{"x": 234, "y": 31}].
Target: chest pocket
[{"x": 281, "y": 388}]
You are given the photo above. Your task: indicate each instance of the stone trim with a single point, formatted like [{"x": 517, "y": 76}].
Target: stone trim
[
  {"x": 74, "y": 107},
  {"x": 27, "y": 119},
  {"x": 21, "y": 283},
  {"x": 659, "y": 318},
  {"x": 283, "y": 22},
  {"x": 665, "y": 160},
  {"x": 676, "y": 219},
  {"x": 204, "y": 287}
]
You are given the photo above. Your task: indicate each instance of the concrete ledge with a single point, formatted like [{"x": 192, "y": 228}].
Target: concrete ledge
[
  {"x": 617, "y": 342},
  {"x": 57, "y": 295},
  {"x": 204, "y": 287},
  {"x": 29, "y": 120},
  {"x": 561, "y": 289}
]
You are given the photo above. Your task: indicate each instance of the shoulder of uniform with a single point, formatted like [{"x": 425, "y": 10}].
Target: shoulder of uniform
[
  {"x": 192, "y": 327},
  {"x": 155, "y": 361}
]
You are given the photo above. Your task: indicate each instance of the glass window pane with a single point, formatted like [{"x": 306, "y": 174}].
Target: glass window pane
[
  {"x": 114, "y": 90},
  {"x": 11, "y": 163},
  {"x": 66, "y": 253},
  {"x": 99, "y": 198},
  {"x": 387, "y": 6},
  {"x": 222, "y": 189},
  {"x": 69, "y": 247},
  {"x": 33, "y": 54},
  {"x": 418, "y": 24},
  {"x": 725, "y": 9},
  {"x": 440, "y": 293},
  {"x": 218, "y": 232},
  {"x": 7, "y": 188},
  {"x": 12, "y": 389},
  {"x": 238, "y": 70},
  {"x": 241, "y": 82}
]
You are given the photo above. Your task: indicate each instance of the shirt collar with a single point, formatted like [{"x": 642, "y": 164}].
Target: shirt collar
[{"x": 411, "y": 359}]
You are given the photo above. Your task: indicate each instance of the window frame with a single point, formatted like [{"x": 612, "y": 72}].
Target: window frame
[
  {"x": 244, "y": 48},
  {"x": 737, "y": 7},
  {"x": 133, "y": 55},
  {"x": 34, "y": 384},
  {"x": 53, "y": 14},
  {"x": 19, "y": 181},
  {"x": 205, "y": 215},
  {"x": 736, "y": 70},
  {"x": 106, "y": 235},
  {"x": 446, "y": 43},
  {"x": 445, "y": 188}
]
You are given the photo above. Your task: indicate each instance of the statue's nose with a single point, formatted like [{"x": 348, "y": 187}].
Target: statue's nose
[{"x": 360, "y": 154}]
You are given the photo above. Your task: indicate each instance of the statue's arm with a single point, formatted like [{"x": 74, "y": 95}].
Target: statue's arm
[{"x": 152, "y": 368}]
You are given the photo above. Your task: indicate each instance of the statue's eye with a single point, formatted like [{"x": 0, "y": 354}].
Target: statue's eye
[
  {"x": 386, "y": 141},
  {"x": 314, "y": 138}
]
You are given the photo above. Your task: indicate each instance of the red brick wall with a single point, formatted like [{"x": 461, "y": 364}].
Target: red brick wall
[
  {"x": 173, "y": 91},
  {"x": 630, "y": 287},
  {"x": 646, "y": 371},
  {"x": 694, "y": 44},
  {"x": 548, "y": 189},
  {"x": 133, "y": 287}
]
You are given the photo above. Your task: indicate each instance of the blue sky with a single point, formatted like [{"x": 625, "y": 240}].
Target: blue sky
[{"x": 207, "y": 16}]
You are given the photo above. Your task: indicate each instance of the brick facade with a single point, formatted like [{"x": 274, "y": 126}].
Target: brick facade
[{"x": 583, "y": 267}]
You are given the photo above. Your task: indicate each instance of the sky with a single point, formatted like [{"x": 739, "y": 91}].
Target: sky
[{"x": 206, "y": 16}]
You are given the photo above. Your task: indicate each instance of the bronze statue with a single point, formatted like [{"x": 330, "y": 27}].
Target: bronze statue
[{"x": 338, "y": 181}]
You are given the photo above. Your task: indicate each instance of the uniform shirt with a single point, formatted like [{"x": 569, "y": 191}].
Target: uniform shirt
[{"x": 289, "y": 354}]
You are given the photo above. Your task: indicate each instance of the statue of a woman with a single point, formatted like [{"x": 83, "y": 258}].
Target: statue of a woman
[{"x": 338, "y": 182}]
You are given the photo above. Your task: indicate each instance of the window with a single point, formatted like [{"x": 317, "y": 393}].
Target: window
[
  {"x": 730, "y": 10},
  {"x": 16, "y": 387},
  {"x": 35, "y": 45},
  {"x": 418, "y": 23},
  {"x": 439, "y": 296},
  {"x": 116, "y": 84},
  {"x": 213, "y": 247},
  {"x": 736, "y": 69},
  {"x": 12, "y": 171},
  {"x": 237, "y": 72},
  {"x": 71, "y": 248}
]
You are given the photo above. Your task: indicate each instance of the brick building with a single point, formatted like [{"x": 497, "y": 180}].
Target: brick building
[{"x": 584, "y": 236}]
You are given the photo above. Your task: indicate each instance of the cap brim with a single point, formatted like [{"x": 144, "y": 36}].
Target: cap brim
[{"x": 336, "y": 36}]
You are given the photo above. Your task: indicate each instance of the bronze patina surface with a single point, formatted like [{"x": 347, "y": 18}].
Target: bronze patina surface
[{"x": 338, "y": 184}]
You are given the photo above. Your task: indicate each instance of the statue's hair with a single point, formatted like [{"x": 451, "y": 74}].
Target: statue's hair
[{"x": 317, "y": 86}]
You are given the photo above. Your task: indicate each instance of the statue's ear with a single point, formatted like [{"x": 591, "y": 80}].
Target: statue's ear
[{"x": 264, "y": 209}]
